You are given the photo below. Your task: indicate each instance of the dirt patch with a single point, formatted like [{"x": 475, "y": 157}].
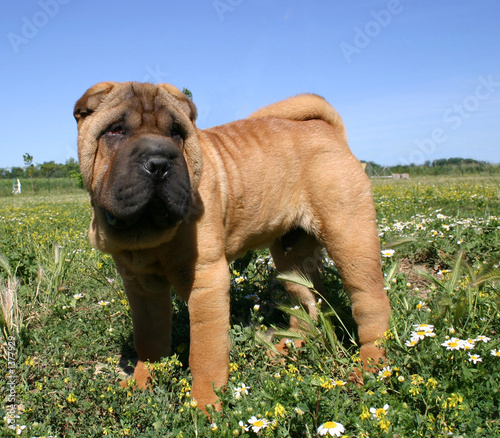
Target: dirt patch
[{"x": 417, "y": 273}]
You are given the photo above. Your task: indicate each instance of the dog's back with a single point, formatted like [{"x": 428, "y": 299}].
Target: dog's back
[{"x": 301, "y": 108}]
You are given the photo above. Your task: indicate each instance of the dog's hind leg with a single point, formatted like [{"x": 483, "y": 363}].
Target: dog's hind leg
[
  {"x": 299, "y": 253},
  {"x": 351, "y": 239}
]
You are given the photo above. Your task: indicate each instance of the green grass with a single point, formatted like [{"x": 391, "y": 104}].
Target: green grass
[
  {"x": 65, "y": 343},
  {"x": 41, "y": 186}
]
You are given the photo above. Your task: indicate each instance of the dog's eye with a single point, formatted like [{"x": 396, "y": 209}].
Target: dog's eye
[
  {"x": 176, "y": 134},
  {"x": 115, "y": 130}
]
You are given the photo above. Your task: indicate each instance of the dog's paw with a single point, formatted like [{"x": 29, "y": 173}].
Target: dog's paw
[
  {"x": 283, "y": 348},
  {"x": 141, "y": 378}
]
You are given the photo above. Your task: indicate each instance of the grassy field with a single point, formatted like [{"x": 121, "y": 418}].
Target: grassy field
[
  {"x": 67, "y": 337},
  {"x": 40, "y": 186}
]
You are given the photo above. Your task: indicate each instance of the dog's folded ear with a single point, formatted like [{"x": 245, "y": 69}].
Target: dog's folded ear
[
  {"x": 186, "y": 103},
  {"x": 89, "y": 102}
]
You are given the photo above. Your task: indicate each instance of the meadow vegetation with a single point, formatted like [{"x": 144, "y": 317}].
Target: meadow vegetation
[{"x": 66, "y": 333}]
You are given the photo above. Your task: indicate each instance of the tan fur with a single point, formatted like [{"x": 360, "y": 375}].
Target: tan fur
[
  {"x": 287, "y": 166},
  {"x": 301, "y": 108}
]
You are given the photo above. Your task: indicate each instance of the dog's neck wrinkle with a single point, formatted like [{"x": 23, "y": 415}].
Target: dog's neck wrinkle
[
  {"x": 139, "y": 261},
  {"x": 213, "y": 158}
]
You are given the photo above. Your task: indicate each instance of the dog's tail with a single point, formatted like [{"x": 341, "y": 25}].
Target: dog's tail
[{"x": 301, "y": 108}]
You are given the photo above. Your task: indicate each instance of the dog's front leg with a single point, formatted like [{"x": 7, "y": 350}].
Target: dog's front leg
[
  {"x": 151, "y": 308},
  {"x": 208, "y": 305}
]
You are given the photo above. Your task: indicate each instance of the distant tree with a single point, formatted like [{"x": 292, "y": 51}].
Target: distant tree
[
  {"x": 456, "y": 161},
  {"x": 76, "y": 176},
  {"x": 28, "y": 159},
  {"x": 73, "y": 171},
  {"x": 187, "y": 93},
  {"x": 16, "y": 172},
  {"x": 51, "y": 169},
  {"x": 71, "y": 166},
  {"x": 28, "y": 167}
]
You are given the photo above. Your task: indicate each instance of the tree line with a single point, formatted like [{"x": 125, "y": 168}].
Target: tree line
[
  {"x": 444, "y": 166},
  {"x": 48, "y": 169}
]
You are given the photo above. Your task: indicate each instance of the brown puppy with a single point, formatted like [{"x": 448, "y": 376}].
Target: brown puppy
[{"x": 174, "y": 205}]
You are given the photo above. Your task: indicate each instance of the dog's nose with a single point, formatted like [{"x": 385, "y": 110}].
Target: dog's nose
[{"x": 157, "y": 167}]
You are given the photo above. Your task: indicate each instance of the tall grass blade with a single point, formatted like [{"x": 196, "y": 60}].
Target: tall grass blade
[
  {"x": 296, "y": 277},
  {"x": 10, "y": 315},
  {"x": 456, "y": 271}
]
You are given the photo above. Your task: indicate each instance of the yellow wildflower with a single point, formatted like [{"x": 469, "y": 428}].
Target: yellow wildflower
[
  {"x": 432, "y": 383},
  {"x": 384, "y": 425},
  {"x": 279, "y": 410},
  {"x": 453, "y": 401},
  {"x": 365, "y": 414},
  {"x": 326, "y": 383},
  {"x": 416, "y": 379},
  {"x": 414, "y": 391},
  {"x": 388, "y": 334}
]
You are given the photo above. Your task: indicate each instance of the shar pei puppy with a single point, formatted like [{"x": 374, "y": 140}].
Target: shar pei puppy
[{"x": 174, "y": 204}]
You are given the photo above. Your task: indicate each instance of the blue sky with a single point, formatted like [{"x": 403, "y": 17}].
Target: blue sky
[{"x": 414, "y": 80}]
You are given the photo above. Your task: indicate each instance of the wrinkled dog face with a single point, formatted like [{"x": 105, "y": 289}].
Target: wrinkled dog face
[
  {"x": 139, "y": 179},
  {"x": 147, "y": 180}
]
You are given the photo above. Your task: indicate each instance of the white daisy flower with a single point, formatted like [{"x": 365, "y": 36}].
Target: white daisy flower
[
  {"x": 475, "y": 358},
  {"x": 257, "y": 424},
  {"x": 385, "y": 372},
  {"x": 468, "y": 344},
  {"x": 19, "y": 429},
  {"x": 379, "y": 414},
  {"x": 452, "y": 344},
  {"x": 331, "y": 428},
  {"x": 424, "y": 327},
  {"x": 412, "y": 342},
  {"x": 240, "y": 391}
]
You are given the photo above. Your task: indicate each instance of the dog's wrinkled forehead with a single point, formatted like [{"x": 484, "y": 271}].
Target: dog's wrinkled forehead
[
  {"x": 106, "y": 102},
  {"x": 146, "y": 105}
]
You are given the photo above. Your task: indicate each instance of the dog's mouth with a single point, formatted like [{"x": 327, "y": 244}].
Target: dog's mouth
[
  {"x": 123, "y": 224},
  {"x": 155, "y": 213}
]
